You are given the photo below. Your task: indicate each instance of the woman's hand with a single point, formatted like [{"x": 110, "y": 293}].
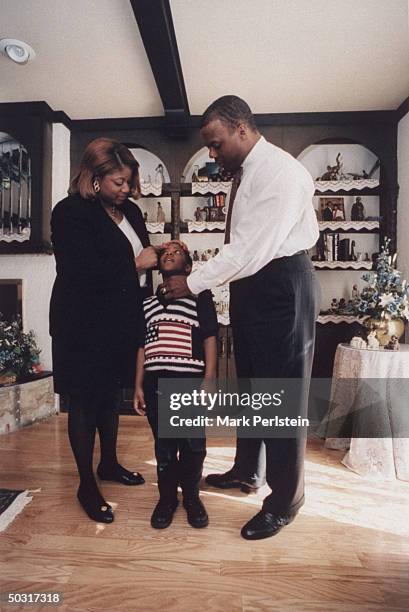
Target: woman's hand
[
  {"x": 139, "y": 402},
  {"x": 146, "y": 260}
]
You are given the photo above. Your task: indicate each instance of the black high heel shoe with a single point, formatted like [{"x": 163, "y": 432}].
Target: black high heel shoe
[
  {"x": 102, "y": 513},
  {"x": 120, "y": 474}
]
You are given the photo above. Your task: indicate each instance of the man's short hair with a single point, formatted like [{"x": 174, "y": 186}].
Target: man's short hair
[{"x": 230, "y": 110}]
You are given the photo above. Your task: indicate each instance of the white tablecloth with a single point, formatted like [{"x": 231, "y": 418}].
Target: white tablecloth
[{"x": 383, "y": 394}]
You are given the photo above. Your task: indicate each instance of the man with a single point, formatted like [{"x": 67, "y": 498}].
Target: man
[{"x": 270, "y": 223}]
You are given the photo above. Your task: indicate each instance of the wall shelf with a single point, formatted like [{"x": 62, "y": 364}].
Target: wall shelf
[
  {"x": 350, "y": 226},
  {"x": 343, "y": 265}
]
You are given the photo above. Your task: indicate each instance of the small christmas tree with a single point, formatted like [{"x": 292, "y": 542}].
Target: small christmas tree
[
  {"x": 387, "y": 295},
  {"x": 19, "y": 354}
]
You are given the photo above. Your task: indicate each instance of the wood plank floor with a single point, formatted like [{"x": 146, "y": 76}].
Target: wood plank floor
[{"x": 347, "y": 550}]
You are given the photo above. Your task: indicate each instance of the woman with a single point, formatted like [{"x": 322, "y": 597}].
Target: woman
[{"x": 103, "y": 261}]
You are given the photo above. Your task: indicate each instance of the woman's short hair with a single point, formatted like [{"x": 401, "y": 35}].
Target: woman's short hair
[{"x": 103, "y": 156}]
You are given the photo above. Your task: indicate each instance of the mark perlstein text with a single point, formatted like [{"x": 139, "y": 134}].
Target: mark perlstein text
[{"x": 243, "y": 421}]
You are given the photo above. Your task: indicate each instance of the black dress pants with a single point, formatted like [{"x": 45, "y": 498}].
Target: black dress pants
[
  {"x": 273, "y": 317},
  {"x": 179, "y": 460}
]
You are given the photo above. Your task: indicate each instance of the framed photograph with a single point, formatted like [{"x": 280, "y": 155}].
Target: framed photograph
[
  {"x": 216, "y": 213},
  {"x": 332, "y": 209}
]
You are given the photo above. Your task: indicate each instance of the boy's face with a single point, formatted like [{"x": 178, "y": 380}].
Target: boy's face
[{"x": 172, "y": 261}]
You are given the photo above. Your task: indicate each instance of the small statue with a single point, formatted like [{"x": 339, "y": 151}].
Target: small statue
[
  {"x": 352, "y": 255},
  {"x": 160, "y": 174},
  {"x": 350, "y": 308},
  {"x": 203, "y": 256},
  {"x": 333, "y": 173},
  {"x": 216, "y": 251},
  {"x": 160, "y": 214},
  {"x": 198, "y": 214},
  {"x": 145, "y": 217},
  {"x": 358, "y": 343},
  {"x": 209, "y": 254},
  {"x": 358, "y": 210},
  {"x": 195, "y": 174},
  {"x": 373, "y": 342},
  {"x": 195, "y": 256},
  {"x": 342, "y": 304},
  {"x": 334, "y": 305},
  {"x": 356, "y": 296},
  {"x": 393, "y": 344}
]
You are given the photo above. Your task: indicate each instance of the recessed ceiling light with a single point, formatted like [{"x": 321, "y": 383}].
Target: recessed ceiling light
[{"x": 16, "y": 50}]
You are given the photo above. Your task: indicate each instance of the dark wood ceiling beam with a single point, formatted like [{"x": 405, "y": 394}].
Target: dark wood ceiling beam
[{"x": 154, "y": 19}]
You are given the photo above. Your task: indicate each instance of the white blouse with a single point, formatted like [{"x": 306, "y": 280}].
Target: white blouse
[{"x": 136, "y": 244}]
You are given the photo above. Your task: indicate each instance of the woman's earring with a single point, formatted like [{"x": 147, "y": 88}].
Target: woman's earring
[{"x": 96, "y": 185}]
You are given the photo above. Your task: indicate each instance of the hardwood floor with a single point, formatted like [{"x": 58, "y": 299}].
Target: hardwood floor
[{"x": 347, "y": 550}]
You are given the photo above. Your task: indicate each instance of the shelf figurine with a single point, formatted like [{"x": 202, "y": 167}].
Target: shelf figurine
[
  {"x": 160, "y": 214},
  {"x": 352, "y": 255},
  {"x": 195, "y": 256},
  {"x": 358, "y": 210},
  {"x": 358, "y": 343},
  {"x": 334, "y": 173},
  {"x": 356, "y": 296},
  {"x": 198, "y": 214},
  {"x": 342, "y": 305},
  {"x": 195, "y": 174},
  {"x": 145, "y": 217},
  {"x": 160, "y": 174},
  {"x": 334, "y": 305},
  {"x": 393, "y": 344},
  {"x": 373, "y": 342}
]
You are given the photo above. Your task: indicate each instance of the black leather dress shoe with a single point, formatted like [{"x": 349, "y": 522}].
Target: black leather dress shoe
[
  {"x": 120, "y": 474},
  {"x": 97, "y": 511},
  {"x": 229, "y": 480},
  {"x": 264, "y": 525},
  {"x": 162, "y": 515},
  {"x": 196, "y": 513}
]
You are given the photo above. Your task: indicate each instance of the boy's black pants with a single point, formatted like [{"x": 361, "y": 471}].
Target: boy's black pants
[{"x": 179, "y": 460}]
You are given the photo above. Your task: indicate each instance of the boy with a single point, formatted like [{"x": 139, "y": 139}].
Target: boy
[{"x": 179, "y": 341}]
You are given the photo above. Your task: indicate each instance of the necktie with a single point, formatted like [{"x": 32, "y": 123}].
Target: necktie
[{"x": 234, "y": 188}]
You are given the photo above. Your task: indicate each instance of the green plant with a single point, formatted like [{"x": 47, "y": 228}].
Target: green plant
[
  {"x": 386, "y": 295},
  {"x": 19, "y": 354}
]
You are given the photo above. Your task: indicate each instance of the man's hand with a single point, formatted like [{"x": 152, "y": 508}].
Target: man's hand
[{"x": 175, "y": 287}]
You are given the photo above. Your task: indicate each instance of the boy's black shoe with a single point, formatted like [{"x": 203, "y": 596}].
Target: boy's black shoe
[
  {"x": 162, "y": 515},
  {"x": 196, "y": 512}
]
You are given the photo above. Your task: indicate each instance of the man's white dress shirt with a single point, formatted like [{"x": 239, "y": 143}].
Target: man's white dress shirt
[{"x": 273, "y": 216}]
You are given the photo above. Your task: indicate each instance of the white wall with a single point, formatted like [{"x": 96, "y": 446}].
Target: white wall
[
  {"x": 38, "y": 271},
  {"x": 403, "y": 202}
]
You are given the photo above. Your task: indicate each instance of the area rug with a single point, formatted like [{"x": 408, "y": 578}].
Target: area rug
[{"x": 11, "y": 504}]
